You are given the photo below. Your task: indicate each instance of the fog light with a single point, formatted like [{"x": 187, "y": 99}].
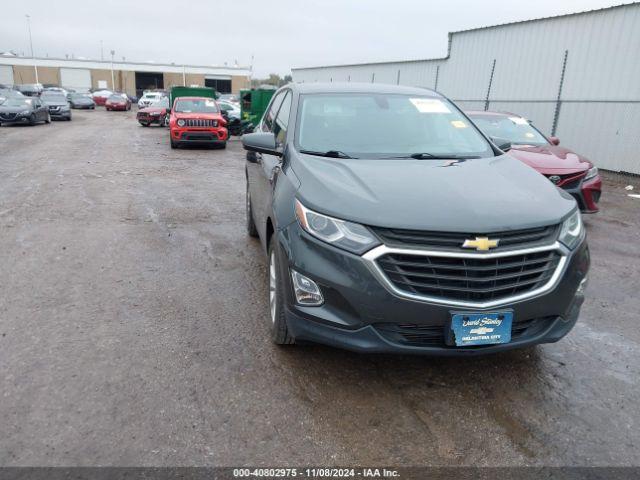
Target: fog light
[
  {"x": 583, "y": 285},
  {"x": 306, "y": 290}
]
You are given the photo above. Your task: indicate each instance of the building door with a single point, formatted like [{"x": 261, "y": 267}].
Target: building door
[
  {"x": 77, "y": 78},
  {"x": 148, "y": 81},
  {"x": 6, "y": 75},
  {"x": 218, "y": 84}
]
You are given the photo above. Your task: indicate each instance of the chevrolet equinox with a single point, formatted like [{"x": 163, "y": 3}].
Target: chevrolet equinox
[{"x": 392, "y": 224}]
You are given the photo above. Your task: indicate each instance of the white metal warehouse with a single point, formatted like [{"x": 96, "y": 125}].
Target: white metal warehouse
[{"x": 576, "y": 76}]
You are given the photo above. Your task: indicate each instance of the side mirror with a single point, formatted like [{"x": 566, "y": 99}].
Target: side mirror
[
  {"x": 554, "y": 140},
  {"x": 501, "y": 143},
  {"x": 261, "y": 142}
]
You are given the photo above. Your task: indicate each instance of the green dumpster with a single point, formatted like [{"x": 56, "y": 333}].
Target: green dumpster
[{"x": 254, "y": 102}]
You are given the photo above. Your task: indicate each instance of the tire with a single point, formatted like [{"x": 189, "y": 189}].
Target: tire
[
  {"x": 279, "y": 331},
  {"x": 48, "y": 119},
  {"x": 252, "y": 231},
  {"x": 93, "y": 107},
  {"x": 173, "y": 144},
  {"x": 223, "y": 146},
  {"x": 144, "y": 124},
  {"x": 165, "y": 121},
  {"x": 32, "y": 119}
]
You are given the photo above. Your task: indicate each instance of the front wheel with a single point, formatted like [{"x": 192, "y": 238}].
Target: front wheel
[
  {"x": 48, "y": 119},
  {"x": 279, "y": 330},
  {"x": 173, "y": 144},
  {"x": 32, "y": 119}
]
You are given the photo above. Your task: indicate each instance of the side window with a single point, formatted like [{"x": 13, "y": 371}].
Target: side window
[
  {"x": 267, "y": 121},
  {"x": 282, "y": 120}
]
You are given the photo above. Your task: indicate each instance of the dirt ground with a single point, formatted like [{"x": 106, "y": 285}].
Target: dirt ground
[{"x": 133, "y": 331}]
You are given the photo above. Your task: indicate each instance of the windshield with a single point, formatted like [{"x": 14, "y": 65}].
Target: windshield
[
  {"x": 79, "y": 96},
  {"x": 17, "y": 102},
  {"x": 116, "y": 98},
  {"x": 516, "y": 130},
  {"x": 196, "y": 105},
  {"x": 386, "y": 125},
  {"x": 162, "y": 103}
]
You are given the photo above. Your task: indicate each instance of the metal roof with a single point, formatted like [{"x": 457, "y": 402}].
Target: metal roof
[{"x": 450, "y": 34}]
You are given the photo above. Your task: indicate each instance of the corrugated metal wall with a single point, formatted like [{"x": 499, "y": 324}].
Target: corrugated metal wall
[{"x": 599, "y": 112}]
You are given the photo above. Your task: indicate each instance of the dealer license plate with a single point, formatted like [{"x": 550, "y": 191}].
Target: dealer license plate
[{"x": 481, "y": 328}]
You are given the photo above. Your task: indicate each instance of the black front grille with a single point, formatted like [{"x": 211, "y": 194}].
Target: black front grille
[
  {"x": 436, "y": 335},
  {"x": 469, "y": 279},
  {"x": 200, "y": 122},
  {"x": 454, "y": 240},
  {"x": 8, "y": 116}
]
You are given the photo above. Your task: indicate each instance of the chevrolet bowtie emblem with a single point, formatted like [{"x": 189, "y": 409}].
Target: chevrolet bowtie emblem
[{"x": 482, "y": 244}]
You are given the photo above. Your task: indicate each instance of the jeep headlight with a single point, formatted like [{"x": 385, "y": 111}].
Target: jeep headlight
[
  {"x": 592, "y": 172},
  {"x": 181, "y": 122},
  {"x": 571, "y": 230},
  {"x": 343, "y": 234}
]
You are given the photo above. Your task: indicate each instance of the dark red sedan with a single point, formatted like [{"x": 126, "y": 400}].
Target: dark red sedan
[
  {"x": 156, "y": 113},
  {"x": 118, "y": 102},
  {"x": 568, "y": 170}
]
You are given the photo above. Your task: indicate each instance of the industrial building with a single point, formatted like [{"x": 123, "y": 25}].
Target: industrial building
[
  {"x": 575, "y": 76},
  {"x": 129, "y": 77}
]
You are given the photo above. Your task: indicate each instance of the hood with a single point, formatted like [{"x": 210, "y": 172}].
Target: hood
[
  {"x": 8, "y": 109},
  {"x": 480, "y": 195},
  {"x": 211, "y": 116},
  {"x": 56, "y": 103},
  {"x": 153, "y": 110},
  {"x": 550, "y": 159}
]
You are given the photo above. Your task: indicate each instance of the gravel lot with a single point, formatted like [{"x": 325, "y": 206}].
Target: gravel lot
[{"x": 133, "y": 331}]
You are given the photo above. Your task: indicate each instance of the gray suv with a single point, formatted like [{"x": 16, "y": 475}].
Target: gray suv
[{"x": 392, "y": 224}]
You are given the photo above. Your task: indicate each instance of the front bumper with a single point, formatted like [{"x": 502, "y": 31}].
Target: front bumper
[
  {"x": 202, "y": 136},
  {"x": 587, "y": 194},
  {"x": 15, "y": 119},
  {"x": 361, "y": 314},
  {"x": 60, "y": 114}
]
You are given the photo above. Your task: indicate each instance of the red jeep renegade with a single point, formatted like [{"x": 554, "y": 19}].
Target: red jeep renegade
[{"x": 197, "y": 120}]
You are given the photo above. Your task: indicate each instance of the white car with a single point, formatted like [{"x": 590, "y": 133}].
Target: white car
[
  {"x": 231, "y": 109},
  {"x": 149, "y": 98}
]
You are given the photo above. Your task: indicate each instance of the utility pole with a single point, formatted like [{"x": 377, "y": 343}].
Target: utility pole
[
  {"x": 184, "y": 76},
  {"x": 113, "y": 80},
  {"x": 35, "y": 67},
  {"x": 101, "y": 51}
]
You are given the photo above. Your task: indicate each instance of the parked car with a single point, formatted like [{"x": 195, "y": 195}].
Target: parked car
[
  {"x": 9, "y": 93},
  {"x": 26, "y": 110},
  {"x": 230, "y": 109},
  {"x": 196, "y": 118},
  {"x": 565, "y": 168},
  {"x": 157, "y": 113},
  {"x": 118, "y": 102},
  {"x": 30, "y": 89},
  {"x": 81, "y": 100},
  {"x": 423, "y": 239},
  {"x": 59, "y": 107},
  {"x": 230, "y": 98},
  {"x": 148, "y": 98},
  {"x": 61, "y": 90},
  {"x": 100, "y": 96}
]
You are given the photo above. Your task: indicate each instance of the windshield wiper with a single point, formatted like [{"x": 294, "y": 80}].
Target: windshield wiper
[
  {"x": 328, "y": 153},
  {"x": 435, "y": 156}
]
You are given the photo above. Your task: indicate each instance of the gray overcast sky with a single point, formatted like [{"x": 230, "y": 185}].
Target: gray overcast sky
[{"x": 280, "y": 33}]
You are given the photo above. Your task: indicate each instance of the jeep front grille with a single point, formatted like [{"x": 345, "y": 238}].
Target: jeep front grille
[{"x": 200, "y": 122}]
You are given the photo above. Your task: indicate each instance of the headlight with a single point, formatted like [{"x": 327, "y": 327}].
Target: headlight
[
  {"x": 181, "y": 122},
  {"x": 347, "y": 235},
  {"x": 25, "y": 112},
  {"x": 571, "y": 230},
  {"x": 593, "y": 171}
]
